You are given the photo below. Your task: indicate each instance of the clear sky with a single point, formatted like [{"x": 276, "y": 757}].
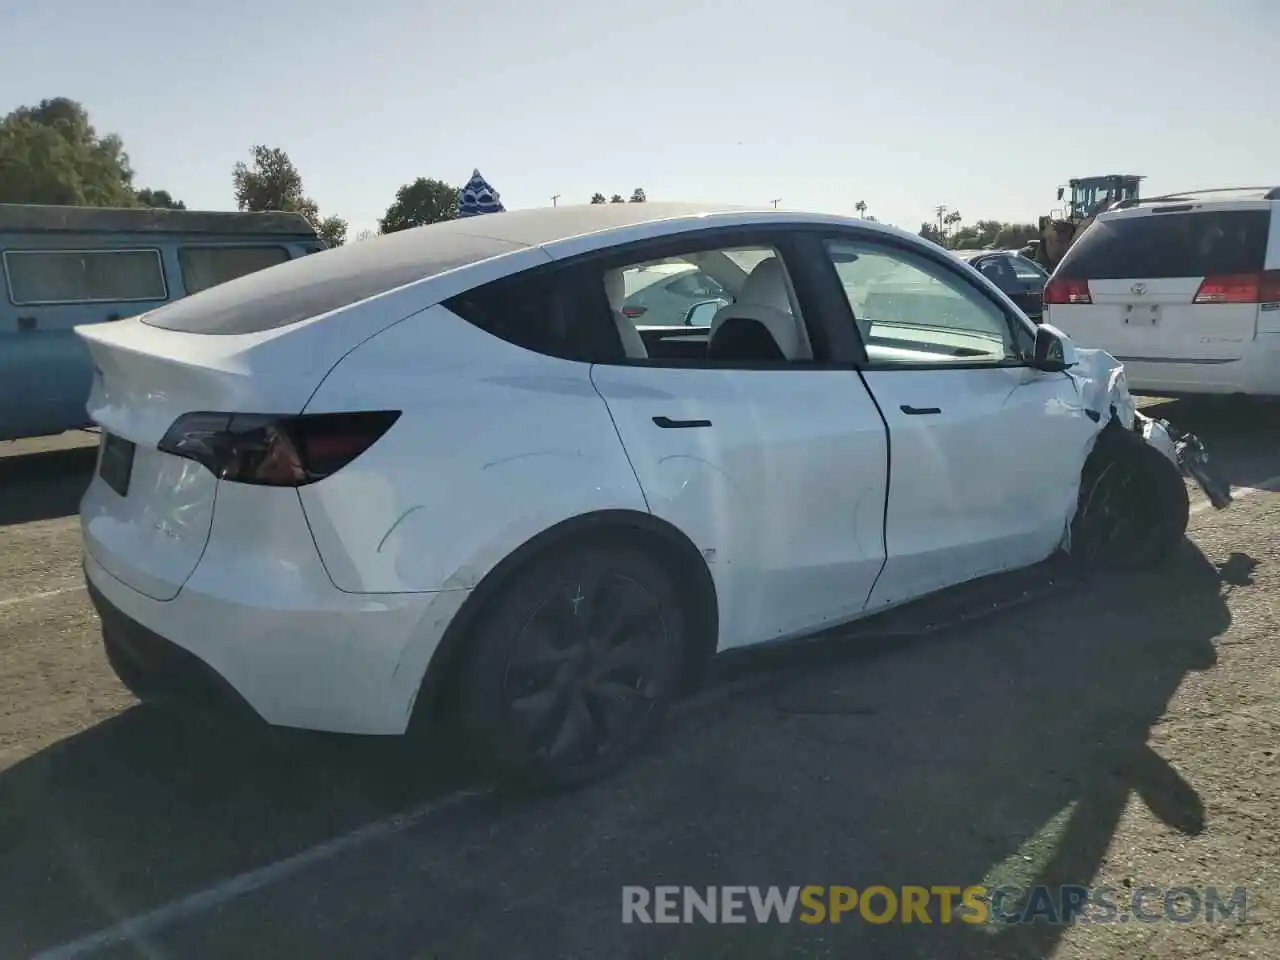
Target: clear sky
[{"x": 984, "y": 105}]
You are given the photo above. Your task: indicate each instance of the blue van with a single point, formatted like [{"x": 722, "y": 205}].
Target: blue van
[{"x": 64, "y": 266}]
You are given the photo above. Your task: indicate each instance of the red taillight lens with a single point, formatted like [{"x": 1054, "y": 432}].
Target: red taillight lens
[
  {"x": 1241, "y": 288},
  {"x": 1060, "y": 290},
  {"x": 272, "y": 450},
  {"x": 632, "y": 312}
]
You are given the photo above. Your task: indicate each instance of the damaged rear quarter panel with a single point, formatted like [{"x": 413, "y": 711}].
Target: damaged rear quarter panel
[{"x": 495, "y": 445}]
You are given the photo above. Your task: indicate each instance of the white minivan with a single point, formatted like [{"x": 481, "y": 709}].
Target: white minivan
[{"x": 1184, "y": 289}]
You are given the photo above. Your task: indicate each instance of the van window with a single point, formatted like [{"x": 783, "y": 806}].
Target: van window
[
  {"x": 83, "y": 276},
  {"x": 204, "y": 267},
  {"x": 1162, "y": 245}
]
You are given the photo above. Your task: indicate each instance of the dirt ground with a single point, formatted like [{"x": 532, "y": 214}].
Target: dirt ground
[{"x": 1118, "y": 734}]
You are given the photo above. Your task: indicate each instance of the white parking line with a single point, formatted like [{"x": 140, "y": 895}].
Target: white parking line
[
  {"x": 1270, "y": 485},
  {"x": 44, "y": 595},
  {"x": 138, "y": 928}
]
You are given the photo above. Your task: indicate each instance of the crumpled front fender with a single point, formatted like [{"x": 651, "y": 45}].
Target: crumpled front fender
[{"x": 1104, "y": 396}]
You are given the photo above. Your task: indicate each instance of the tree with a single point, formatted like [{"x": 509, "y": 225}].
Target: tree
[
  {"x": 418, "y": 203},
  {"x": 274, "y": 183},
  {"x": 597, "y": 198},
  {"x": 930, "y": 232},
  {"x": 51, "y": 153},
  {"x": 861, "y": 207},
  {"x": 333, "y": 231},
  {"x": 637, "y": 195},
  {"x": 992, "y": 234},
  {"x": 617, "y": 198},
  {"x": 365, "y": 235},
  {"x": 159, "y": 198}
]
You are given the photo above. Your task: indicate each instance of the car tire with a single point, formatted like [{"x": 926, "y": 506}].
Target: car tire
[
  {"x": 572, "y": 667},
  {"x": 1133, "y": 505}
]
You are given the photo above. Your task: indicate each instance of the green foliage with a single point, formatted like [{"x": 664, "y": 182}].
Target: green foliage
[
  {"x": 419, "y": 203},
  {"x": 930, "y": 231},
  {"x": 272, "y": 182},
  {"x": 637, "y": 195},
  {"x": 597, "y": 198},
  {"x": 51, "y": 153},
  {"x": 985, "y": 234},
  {"x": 333, "y": 231},
  {"x": 617, "y": 198},
  {"x": 159, "y": 198}
]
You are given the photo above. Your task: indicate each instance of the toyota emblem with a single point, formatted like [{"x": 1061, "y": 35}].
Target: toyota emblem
[{"x": 1138, "y": 289}]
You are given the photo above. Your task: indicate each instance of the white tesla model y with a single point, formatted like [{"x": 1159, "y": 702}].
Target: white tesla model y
[{"x": 443, "y": 466}]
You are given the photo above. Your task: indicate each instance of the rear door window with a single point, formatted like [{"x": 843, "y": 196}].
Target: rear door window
[
  {"x": 84, "y": 276},
  {"x": 205, "y": 267},
  {"x": 1167, "y": 245}
]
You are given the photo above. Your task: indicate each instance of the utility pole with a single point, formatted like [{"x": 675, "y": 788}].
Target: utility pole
[
  {"x": 554, "y": 198},
  {"x": 940, "y": 210},
  {"x": 776, "y": 202}
]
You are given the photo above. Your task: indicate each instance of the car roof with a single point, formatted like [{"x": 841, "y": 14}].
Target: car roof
[
  {"x": 44, "y": 218},
  {"x": 337, "y": 278}
]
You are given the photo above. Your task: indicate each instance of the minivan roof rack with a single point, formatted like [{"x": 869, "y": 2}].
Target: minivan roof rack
[{"x": 1248, "y": 193}]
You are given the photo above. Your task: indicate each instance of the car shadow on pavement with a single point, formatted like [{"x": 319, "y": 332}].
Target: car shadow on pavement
[
  {"x": 154, "y": 803},
  {"x": 45, "y": 485},
  {"x": 1001, "y": 752}
]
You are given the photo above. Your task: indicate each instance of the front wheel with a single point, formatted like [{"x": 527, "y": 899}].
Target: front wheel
[
  {"x": 1133, "y": 505},
  {"x": 573, "y": 667}
]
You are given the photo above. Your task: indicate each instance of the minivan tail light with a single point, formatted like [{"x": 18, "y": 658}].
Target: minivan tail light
[
  {"x": 275, "y": 451},
  {"x": 1061, "y": 290},
  {"x": 1240, "y": 288}
]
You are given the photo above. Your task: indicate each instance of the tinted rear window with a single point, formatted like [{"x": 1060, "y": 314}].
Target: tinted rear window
[
  {"x": 322, "y": 282},
  {"x": 1170, "y": 245}
]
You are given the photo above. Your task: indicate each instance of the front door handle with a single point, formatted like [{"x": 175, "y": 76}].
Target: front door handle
[
  {"x": 666, "y": 423},
  {"x": 917, "y": 411}
]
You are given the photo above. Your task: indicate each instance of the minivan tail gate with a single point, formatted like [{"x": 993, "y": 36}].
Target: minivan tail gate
[{"x": 1144, "y": 270}]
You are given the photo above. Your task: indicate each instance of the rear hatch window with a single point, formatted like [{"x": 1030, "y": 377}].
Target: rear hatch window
[{"x": 1166, "y": 245}]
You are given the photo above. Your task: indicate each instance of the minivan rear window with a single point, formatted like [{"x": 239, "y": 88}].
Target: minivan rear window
[{"x": 1162, "y": 245}]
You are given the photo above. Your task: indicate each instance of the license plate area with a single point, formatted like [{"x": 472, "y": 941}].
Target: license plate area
[
  {"x": 1146, "y": 315},
  {"x": 115, "y": 466}
]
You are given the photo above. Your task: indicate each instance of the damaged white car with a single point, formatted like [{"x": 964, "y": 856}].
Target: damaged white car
[{"x": 443, "y": 474}]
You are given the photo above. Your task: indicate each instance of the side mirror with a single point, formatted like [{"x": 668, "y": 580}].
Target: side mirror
[
  {"x": 1053, "y": 351},
  {"x": 700, "y": 314},
  {"x": 1060, "y": 191}
]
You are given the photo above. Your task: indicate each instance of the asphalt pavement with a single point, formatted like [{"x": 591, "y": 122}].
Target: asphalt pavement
[{"x": 1095, "y": 731}]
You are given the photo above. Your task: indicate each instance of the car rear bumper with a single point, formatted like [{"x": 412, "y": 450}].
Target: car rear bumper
[
  {"x": 1255, "y": 373},
  {"x": 345, "y": 663}
]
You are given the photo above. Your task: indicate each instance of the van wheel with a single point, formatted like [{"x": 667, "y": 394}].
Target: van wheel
[
  {"x": 573, "y": 667},
  {"x": 1133, "y": 505}
]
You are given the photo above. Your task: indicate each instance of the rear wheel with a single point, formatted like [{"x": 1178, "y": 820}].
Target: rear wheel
[
  {"x": 1133, "y": 507},
  {"x": 573, "y": 666}
]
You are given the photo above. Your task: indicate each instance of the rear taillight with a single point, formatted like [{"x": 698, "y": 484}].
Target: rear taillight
[
  {"x": 632, "y": 312},
  {"x": 1061, "y": 290},
  {"x": 275, "y": 451},
  {"x": 1261, "y": 287}
]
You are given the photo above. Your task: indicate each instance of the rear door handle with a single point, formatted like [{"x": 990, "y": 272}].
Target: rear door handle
[
  {"x": 666, "y": 423},
  {"x": 917, "y": 411}
]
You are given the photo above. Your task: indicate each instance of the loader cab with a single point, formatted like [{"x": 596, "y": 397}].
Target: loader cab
[{"x": 1090, "y": 194}]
